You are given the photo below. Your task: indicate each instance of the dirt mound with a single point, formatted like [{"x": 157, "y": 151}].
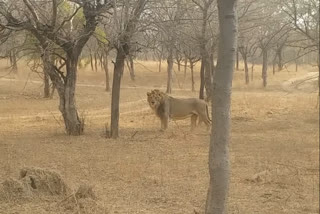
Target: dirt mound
[
  {"x": 36, "y": 185},
  {"x": 83, "y": 200},
  {"x": 44, "y": 182},
  {"x": 306, "y": 83},
  {"x": 33, "y": 182}
]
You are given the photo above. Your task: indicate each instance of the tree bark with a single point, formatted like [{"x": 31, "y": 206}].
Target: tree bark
[
  {"x": 202, "y": 77},
  {"x": 220, "y": 132},
  {"x": 185, "y": 67},
  {"x": 66, "y": 90},
  {"x": 106, "y": 70},
  {"x": 95, "y": 62},
  {"x": 73, "y": 123},
  {"x": 274, "y": 65},
  {"x": 280, "y": 64},
  {"x": 179, "y": 65},
  {"x": 91, "y": 61},
  {"x": 131, "y": 68},
  {"x": 13, "y": 61},
  {"x": 252, "y": 69},
  {"x": 192, "y": 75},
  {"x": 169, "y": 70},
  {"x": 246, "y": 70},
  {"x": 237, "y": 60},
  {"x": 115, "y": 100},
  {"x": 264, "y": 67},
  {"x": 208, "y": 79},
  {"x": 203, "y": 52},
  {"x": 46, "y": 83},
  {"x": 160, "y": 59}
]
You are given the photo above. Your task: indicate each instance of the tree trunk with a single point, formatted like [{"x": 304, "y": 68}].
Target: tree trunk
[
  {"x": 106, "y": 70},
  {"x": 13, "y": 61},
  {"x": 274, "y": 65},
  {"x": 160, "y": 62},
  {"x": 91, "y": 61},
  {"x": 66, "y": 90},
  {"x": 179, "y": 65},
  {"x": 185, "y": 67},
  {"x": 246, "y": 70},
  {"x": 74, "y": 125},
  {"x": 208, "y": 79},
  {"x": 46, "y": 83},
  {"x": 160, "y": 59},
  {"x": 95, "y": 62},
  {"x": 202, "y": 77},
  {"x": 237, "y": 60},
  {"x": 169, "y": 70},
  {"x": 131, "y": 68},
  {"x": 252, "y": 69},
  {"x": 280, "y": 64},
  {"x": 264, "y": 67},
  {"x": 220, "y": 133},
  {"x": 117, "y": 75},
  {"x": 192, "y": 76}
]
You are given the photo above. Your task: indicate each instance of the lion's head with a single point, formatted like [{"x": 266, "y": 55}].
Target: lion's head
[{"x": 155, "y": 98}]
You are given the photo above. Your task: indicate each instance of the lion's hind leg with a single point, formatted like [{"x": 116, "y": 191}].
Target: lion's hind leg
[{"x": 194, "y": 118}]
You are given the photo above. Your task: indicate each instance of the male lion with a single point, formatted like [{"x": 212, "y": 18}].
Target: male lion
[{"x": 166, "y": 107}]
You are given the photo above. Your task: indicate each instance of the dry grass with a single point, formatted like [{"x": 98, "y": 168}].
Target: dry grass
[{"x": 274, "y": 149}]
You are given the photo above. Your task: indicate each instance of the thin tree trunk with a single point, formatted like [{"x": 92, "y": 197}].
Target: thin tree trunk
[
  {"x": 46, "y": 83},
  {"x": 219, "y": 168},
  {"x": 169, "y": 70},
  {"x": 264, "y": 67},
  {"x": 280, "y": 65},
  {"x": 185, "y": 67},
  {"x": 115, "y": 100},
  {"x": 91, "y": 61},
  {"x": 252, "y": 69},
  {"x": 131, "y": 68},
  {"x": 274, "y": 65},
  {"x": 160, "y": 59},
  {"x": 13, "y": 60},
  {"x": 179, "y": 65},
  {"x": 202, "y": 79},
  {"x": 160, "y": 62},
  {"x": 246, "y": 70},
  {"x": 106, "y": 70},
  {"x": 237, "y": 60},
  {"x": 192, "y": 75},
  {"x": 208, "y": 79},
  {"x": 95, "y": 62}
]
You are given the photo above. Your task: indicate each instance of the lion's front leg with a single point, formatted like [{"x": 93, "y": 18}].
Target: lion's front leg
[{"x": 164, "y": 122}]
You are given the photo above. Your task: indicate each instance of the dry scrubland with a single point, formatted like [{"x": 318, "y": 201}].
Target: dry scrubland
[{"x": 274, "y": 149}]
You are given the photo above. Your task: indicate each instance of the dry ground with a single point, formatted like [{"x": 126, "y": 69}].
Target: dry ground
[{"x": 274, "y": 149}]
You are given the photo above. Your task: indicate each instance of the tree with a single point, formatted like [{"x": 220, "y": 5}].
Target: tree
[
  {"x": 123, "y": 46},
  {"x": 304, "y": 18},
  {"x": 58, "y": 30},
  {"x": 205, "y": 70},
  {"x": 220, "y": 132}
]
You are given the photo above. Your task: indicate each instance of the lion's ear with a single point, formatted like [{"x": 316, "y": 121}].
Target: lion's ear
[{"x": 148, "y": 94}]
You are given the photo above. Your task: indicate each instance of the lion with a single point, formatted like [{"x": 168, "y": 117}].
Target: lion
[{"x": 166, "y": 107}]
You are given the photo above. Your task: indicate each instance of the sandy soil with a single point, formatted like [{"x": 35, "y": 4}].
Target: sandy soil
[{"x": 274, "y": 149}]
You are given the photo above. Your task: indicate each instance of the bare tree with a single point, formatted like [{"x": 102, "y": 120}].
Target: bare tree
[
  {"x": 205, "y": 70},
  {"x": 122, "y": 46},
  {"x": 220, "y": 132},
  {"x": 58, "y": 29}
]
